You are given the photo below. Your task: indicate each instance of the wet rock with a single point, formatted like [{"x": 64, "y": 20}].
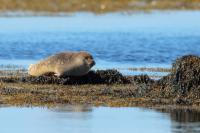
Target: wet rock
[
  {"x": 185, "y": 76},
  {"x": 8, "y": 79},
  {"x": 182, "y": 101},
  {"x": 93, "y": 77},
  {"x": 143, "y": 84},
  {"x": 98, "y": 77},
  {"x": 141, "y": 79},
  {"x": 41, "y": 80}
]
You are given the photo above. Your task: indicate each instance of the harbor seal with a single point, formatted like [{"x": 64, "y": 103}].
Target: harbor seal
[{"x": 64, "y": 64}]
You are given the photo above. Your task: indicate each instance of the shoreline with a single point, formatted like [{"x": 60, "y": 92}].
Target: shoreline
[
  {"x": 19, "y": 13},
  {"x": 107, "y": 88}
]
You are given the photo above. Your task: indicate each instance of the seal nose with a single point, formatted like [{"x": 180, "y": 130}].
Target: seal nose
[{"x": 93, "y": 63}]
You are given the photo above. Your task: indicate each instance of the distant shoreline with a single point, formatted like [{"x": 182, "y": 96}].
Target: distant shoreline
[
  {"x": 52, "y": 7},
  {"x": 71, "y": 14}
]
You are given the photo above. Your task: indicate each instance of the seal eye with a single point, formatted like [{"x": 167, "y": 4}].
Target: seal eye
[{"x": 88, "y": 58}]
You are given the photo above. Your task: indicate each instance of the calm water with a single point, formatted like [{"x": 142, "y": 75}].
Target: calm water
[
  {"x": 116, "y": 40},
  {"x": 83, "y": 119}
]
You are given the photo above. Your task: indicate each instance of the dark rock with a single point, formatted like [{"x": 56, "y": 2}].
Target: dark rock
[
  {"x": 93, "y": 77},
  {"x": 41, "y": 80},
  {"x": 141, "y": 79},
  {"x": 98, "y": 77},
  {"x": 182, "y": 101},
  {"x": 8, "y": 79},
  {"x": 143, "y": 84}
]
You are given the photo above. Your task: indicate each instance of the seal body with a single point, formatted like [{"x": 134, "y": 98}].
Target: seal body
[{"x": 64, "y": 64}]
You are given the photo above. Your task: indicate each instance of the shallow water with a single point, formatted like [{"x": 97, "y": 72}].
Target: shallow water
[
  {"x": 76, "y": 119},
  {"x": 116, "y": 40}
]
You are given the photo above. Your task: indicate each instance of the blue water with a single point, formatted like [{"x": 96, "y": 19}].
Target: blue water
[
  {"x": 83, "y": 119},
  {"x": 116, "y": 40}
]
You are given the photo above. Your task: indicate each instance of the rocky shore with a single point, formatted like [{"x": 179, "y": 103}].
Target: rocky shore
[{"x": 107, "y": 88}]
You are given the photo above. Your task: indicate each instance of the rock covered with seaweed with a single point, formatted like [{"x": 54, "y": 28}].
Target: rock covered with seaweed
[
  {"x": 93, "y": 77},
  {"x": 183, "y": 83},
  {"x": 110, "y": 87}
]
